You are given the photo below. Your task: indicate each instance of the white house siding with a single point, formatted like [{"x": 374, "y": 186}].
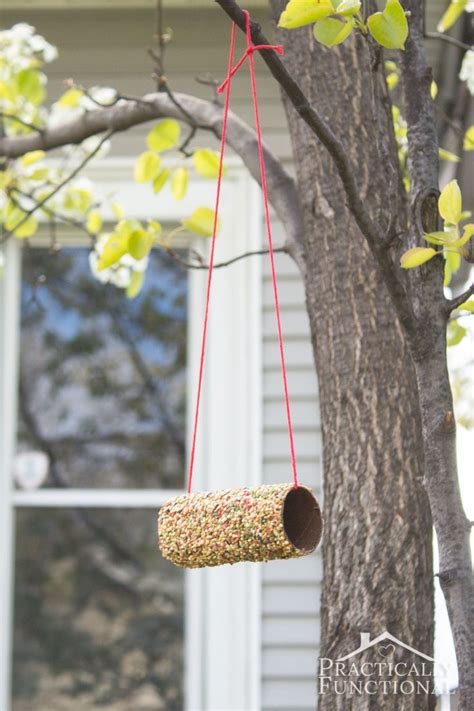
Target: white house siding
[{"x": 290, "y": 589}]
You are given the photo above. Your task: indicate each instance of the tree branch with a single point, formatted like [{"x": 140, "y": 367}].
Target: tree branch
[
  {"x": 458, "y": 300},
  {"x": 22, "y": 122},
  {"x": 419, "y": 113},
  {"x": 207, "y": 116},
  {"x": 448, "y": 39},
  {"x": 189, "y": 265},
  {"x": 425, "y": 284}
]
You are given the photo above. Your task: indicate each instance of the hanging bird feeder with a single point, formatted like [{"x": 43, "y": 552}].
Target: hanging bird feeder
[
  {"x": 269, "y": 522},
  {"x": 257, "y": 524}
]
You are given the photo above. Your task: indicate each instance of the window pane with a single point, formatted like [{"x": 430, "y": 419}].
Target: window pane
[
  {"x": 102, "y": 387},
  {"x": 98, "y": 613}
]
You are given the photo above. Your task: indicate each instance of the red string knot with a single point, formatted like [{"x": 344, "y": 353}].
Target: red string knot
[{"x": 250, "y": 50}]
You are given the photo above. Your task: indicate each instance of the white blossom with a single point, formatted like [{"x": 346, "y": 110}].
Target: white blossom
[
  {"x": 21, "y": 42},
  {"x": 120, "y": 273},
  {"x": 470, "y": 6},
  {"x": 40, "y": 45},
  {"x": 91, "y": 143},
  {"x": 60, "y": 115},
  {"x": 102, "y": 276},
  {"x": 22, "y": 30},
  {"x": 98, "y": 95},
  {"x": 467, "y": 70},
  {"x": 121, "y": 277}
]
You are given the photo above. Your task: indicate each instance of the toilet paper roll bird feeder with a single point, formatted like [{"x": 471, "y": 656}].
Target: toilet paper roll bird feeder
[{"x": 256, "y": 524}]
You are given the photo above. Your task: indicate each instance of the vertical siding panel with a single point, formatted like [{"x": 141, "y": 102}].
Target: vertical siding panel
[{"x": 290, "y": 589}]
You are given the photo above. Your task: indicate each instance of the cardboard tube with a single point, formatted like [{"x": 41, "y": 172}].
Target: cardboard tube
[{"x": 256, "y": 524}]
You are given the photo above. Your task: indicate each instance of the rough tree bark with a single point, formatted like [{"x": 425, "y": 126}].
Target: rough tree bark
[{"x": 377, "y": 546}]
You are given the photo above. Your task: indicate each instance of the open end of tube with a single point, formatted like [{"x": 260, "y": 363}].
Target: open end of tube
[{"x": 302, "y": 519}]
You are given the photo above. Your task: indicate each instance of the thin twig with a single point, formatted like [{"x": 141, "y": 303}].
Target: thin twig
[
  {"x": 53, "y": 213},
  {"x": 18, "y": 119},
  {"x": 455, "y": 126},
  {"x": 161, "y": 46},
  {"x": 189, "y": 265},
  {"x": 208, "y": 80},
  {"x": 183, "y": 147},
  {"x": 58, "y": 187},
  {"x": 458, "y": 300},
  {"x": 447, "y": 38}
]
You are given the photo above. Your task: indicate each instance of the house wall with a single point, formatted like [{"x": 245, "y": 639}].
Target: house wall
[
  {"x": 108, "y": 48},
  {"x": 290, "y": 589}
]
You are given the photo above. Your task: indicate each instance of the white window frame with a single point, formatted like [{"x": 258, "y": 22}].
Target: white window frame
[{"x": 223, "y": 606}]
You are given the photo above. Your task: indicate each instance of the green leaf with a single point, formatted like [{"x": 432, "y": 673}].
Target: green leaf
[
  {"x": 331, "y": 31},
  {"x": 164, "y": 135},
  {"x": 390, "y": 27},
  {"x": 70, "y": 98},
  {"x": 468, "y": 144},
  {"x": 125, "y": 227},
  {"x": 467, "y": 306},
  {"x": 451, "y": 265},
  {"x": 347, "y": 8},
  {"x": 32, "y": 157},
  {"x": 30, "y": 85},
  {"x": 179, "y": 183},
  {"x": 6, "y": 177},
  {"x": 438, "y": 237},
  {"x": 392, "y": 80},
  {"x": 146, "y": 167},
  {"x": 450, "y": 203},
  {"x": 27, "y": 228},
  {"x": 114, "y": 249},
  {"x": 433, "y": 90},
  {"x": 161, "y": 179},
  {"x": 39, "y": 174},
  {"x": 154, "y": 227},
  {"x": 467, "y": 234},
  {"x": 13, "y": 216},
  {"x": 206, "y": 163},
  {"x": 135, "y": 286},
  {"x": 118, "y": 210},
  {"x": 304, "y": 12},
  {"x": 201, "y": 222},
  {"x": 77, "y": 199},
  {"x": 8, "y": 92},
  {"x": 452, "y": 13},
  {"x": 94, "y": 222},
  {"x": 139, "y": 244},
  {"x": 447, "y": 155},
  {"x": 456, "y": 333},
  {"x": 416, "y": 256}
]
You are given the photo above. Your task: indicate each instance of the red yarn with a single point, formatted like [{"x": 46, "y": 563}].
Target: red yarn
[{"x": 226, "y": 85}]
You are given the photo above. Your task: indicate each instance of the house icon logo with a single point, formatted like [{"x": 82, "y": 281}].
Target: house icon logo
[
  {"x": 382, "y": 666},
  {"x": 384, "y": 650}
]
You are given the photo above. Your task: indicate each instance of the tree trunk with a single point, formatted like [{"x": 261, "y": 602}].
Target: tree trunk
[
  {"x": 452, "y": 527},
  {"x": 377, "y": 547}
]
